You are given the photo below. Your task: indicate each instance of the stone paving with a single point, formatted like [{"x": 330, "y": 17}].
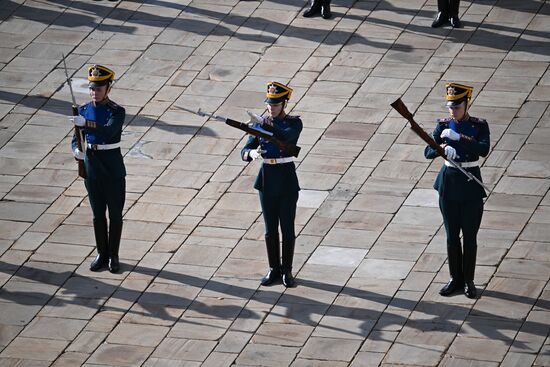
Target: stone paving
[{"x": 370, "y": 254}]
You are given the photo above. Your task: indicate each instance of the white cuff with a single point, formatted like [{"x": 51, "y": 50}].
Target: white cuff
[{"x": 78, "y": 154}]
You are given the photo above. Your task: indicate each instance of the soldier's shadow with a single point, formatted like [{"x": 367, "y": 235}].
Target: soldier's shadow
[
  {"x": 62, "y": 108},
  {"x": 331, "y": 37},
  {"x": 269, "y": 29},
  {"x": 166, "y": 307}
]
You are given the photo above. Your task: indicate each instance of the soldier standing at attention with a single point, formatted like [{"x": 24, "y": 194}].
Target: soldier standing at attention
[
  {"x": 465, "y": 139},
  {"x": 277, "y": 182},
  {"x": 447, "y": 11},
  {"x": 102, "y": 121}
]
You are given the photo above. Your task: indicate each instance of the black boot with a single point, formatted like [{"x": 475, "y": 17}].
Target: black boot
[
  {"x": 315, "y": 9},
  {"x": 273, "y": 255},
  {"x": 470, "y": 290},
  {"x": 115, "y": 231},
  {"x": 286, "y": 268},
  {"x": 288, "y": 279},
  {"x": 455, "y": 22},
  {"x": 325, "y": 9},
  {"x": 470, "y": 254},
  {"x": 453, "y": 10},
  {"x": 101, "y": 240},
  {"x": 454, "y": 253},
  {"x": 451, "y": 287},
  {"x": 440, "y": 20}
]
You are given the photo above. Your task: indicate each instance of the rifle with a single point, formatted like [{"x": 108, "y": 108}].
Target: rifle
[
  {"x": 77, "y": 130},
  {"x": 400, "y": 107},
  {"x": 293, "y": 150}
]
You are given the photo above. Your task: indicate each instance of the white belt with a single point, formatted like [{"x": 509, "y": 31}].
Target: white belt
[
  {"x": 103, "y": 146},
  {"x": 278, "y": 160},
  {"x": 463, "y": 164}
]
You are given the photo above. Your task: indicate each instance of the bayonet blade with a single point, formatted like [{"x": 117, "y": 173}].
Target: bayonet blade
[
  {"x": 69, "y": 80},
  {"x": 201, "y": 113}
]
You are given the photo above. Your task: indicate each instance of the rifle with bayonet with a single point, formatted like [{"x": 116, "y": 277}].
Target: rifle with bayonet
[
  {"x": 253, "y": 129},
  {"x": 400, "y": 107},
  {"x": 77, "y": 130}
]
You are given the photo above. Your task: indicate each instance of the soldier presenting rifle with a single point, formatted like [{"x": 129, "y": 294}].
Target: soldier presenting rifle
[
  {"x": 277, "y": 182},
  {"x": 101, "y": 120},
  {"x": 464, "y": 139}
]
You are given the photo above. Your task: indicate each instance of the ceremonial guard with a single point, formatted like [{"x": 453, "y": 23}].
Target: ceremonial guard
[
  {"x": 101, "y": 120},
  {"x": 447, "y": 11},
  {"x": 277, "y": 182},
  {"x": 465, "y": 139}
]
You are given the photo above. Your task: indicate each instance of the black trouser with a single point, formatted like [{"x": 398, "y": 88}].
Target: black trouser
[
  {"x": 107, "y": 194},
  {"x": 280, "y": 210},
  {"x": 462, "y": 216},
  {"x": 448, "y": 7}
]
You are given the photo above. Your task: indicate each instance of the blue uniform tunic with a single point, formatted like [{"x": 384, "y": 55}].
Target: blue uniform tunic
[
  {"x": 276, "y": 179},
  {"x": 109, "y": 119},
  {"x": 105, "y": 170},
  {"x": 475, "y": 142}
]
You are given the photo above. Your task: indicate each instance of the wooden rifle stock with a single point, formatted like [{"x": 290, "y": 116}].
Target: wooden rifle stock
[
  {"x": 400, "y": 107},
  {"x": 293, "y": 150}
]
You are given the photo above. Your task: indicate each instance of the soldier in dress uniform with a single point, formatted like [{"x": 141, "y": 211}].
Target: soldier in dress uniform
[
  {"x": 102, "y": 121},
  {"x": 465, "y": 139},
  {"x": 447, "y": 11},
  {"x": 277, "y": 182}
]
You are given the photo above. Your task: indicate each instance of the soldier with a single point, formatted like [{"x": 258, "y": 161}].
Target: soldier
[
  {"x": 319, "y": 7},
  {"x": 102, "y": 121},
  {"x": 465, "y": 139},
  {"x": 277, "y": 182},
  {"x": 447, "y": 10}
]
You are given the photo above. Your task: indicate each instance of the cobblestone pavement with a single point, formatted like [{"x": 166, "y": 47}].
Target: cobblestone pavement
[{"x": 371, "y": 248}]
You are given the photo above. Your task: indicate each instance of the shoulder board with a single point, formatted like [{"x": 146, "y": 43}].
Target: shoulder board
[
  {"x": 84, "y": 106},
  {"x": 478, "y": 120},
  {"x": 293, "y": 118},
  {"x": 114, "y": 106},
  {"x": 443, "y": 120}
]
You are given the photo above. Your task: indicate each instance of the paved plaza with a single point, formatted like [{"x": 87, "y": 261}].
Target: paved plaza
[{"x": 371, "y": 253}]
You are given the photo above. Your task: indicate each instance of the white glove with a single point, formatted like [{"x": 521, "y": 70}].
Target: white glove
[
  {"x": 256, "y": 153},
  {"x": 77, "y": 120},
  {"x": 450, "y": 134},
  {"x": 254, "y": 119},
  {"x": 78, "y": 154},
  {"x": 450, "y": 152}
]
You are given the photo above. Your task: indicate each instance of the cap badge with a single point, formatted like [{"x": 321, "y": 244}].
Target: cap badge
[
  {"x": 272, "y": 89},
  {"x": 451, "y": 91},
  {"x": 95, "y": 72}
]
